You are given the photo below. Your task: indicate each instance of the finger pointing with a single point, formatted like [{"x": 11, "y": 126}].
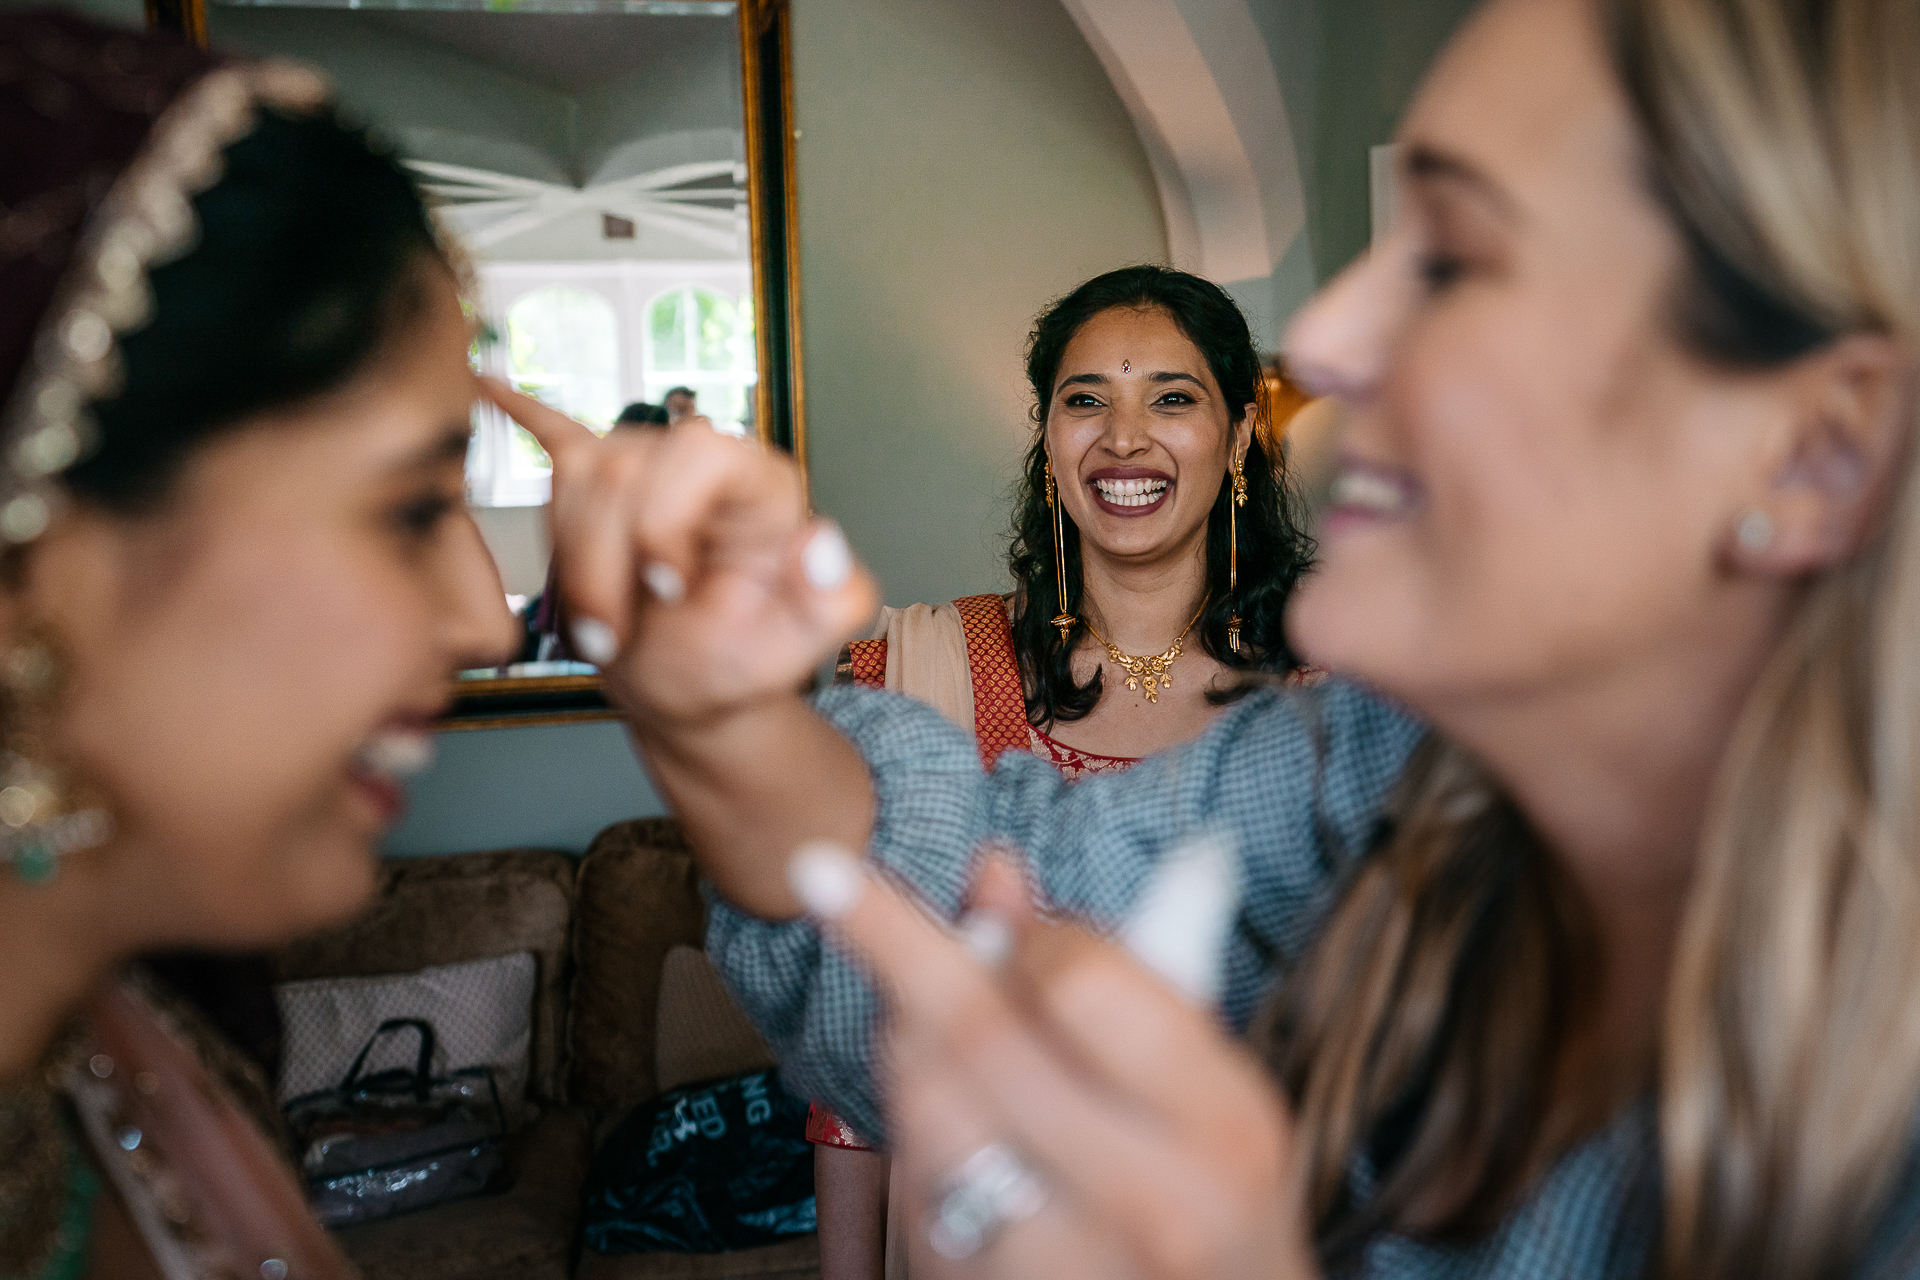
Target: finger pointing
[{"x": 558, "y": 434}]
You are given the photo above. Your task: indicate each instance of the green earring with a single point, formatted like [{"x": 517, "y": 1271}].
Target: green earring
[{"x": 40, "y": 821}]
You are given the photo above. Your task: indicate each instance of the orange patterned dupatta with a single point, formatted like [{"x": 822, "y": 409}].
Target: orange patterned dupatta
[
  {"x": 999, "y": 726},
  {"x": 999, "y": 701}
]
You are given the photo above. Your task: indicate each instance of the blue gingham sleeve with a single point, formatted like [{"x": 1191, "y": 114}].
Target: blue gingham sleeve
[{"x": 1297, "y": 779}]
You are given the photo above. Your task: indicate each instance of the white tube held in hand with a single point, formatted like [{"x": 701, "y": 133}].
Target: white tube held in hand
[
  {"x": 826, "y": 878},
  {"x": 1179, "y": 924}
]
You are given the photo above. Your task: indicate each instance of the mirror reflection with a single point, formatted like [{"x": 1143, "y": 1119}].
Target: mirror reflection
[{"x": 590, "y": 157}]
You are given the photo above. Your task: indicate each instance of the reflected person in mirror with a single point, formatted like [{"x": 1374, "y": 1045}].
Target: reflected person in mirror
[
  {"x": 680, "y": 405},
  {"x": 548, "y": 637}
]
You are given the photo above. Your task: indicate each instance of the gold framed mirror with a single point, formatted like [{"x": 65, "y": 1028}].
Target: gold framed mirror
[{"x": 621, "y": 173}]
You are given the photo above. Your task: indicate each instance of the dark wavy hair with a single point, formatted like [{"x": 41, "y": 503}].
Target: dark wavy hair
[{"x": 1273, "y": 549}]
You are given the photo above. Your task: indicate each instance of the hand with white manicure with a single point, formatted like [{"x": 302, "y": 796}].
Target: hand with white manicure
[
  {"x": 694, "y": 576},
  {"x": 706, "y": 595},
  {"x": 1089, "y": 1075}
]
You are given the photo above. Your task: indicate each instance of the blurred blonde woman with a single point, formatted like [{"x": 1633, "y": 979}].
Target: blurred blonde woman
[{"x": 1610, "y": 973}]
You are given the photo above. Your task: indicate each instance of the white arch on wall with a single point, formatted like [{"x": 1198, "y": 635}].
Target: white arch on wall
[{"x": 1198, "y": 80}]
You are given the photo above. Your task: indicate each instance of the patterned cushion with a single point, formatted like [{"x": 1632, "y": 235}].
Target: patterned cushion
[
  {"x": 463, "y": 906},
  {"x": 639, "y": 898},
  {"x": 481, "y": 1013}
]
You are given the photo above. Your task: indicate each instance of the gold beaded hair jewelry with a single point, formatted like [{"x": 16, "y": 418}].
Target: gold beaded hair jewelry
[{"x": 1064, "y": 619}]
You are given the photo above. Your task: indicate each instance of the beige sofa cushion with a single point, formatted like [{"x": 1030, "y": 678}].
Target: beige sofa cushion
[
  {"x": 702, "y": 1032},
  {"x": 481, "y": 1012},
  {"x": 467, "y": 906},
  {"x": 637, "y": 899}
]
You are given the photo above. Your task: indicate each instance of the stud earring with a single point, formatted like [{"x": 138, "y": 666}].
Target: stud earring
[
  {"x": 1754, "y": 533},
  {"x": 43, "y": 815},
  {"x": 1064, "y": 620}
]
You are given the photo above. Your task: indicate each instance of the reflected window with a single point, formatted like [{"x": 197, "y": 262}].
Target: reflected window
[
  {"x": 560, "y": 344},
  {"x": 703, "y": 340},
  {"x": 563, "y": 345}
]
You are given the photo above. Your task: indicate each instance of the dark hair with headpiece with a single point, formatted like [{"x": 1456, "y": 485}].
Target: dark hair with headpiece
[
  {"x": 1273, "y": 549},
  {"x": 310, "y": 254},
  {"x": 306, "y": 254}
]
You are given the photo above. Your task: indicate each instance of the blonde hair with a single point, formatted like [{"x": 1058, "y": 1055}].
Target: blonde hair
[{"x": 1784, "y": 138}]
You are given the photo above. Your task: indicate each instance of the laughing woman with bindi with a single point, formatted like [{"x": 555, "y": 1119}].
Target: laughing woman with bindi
[{"x": 1153, "y": 549}]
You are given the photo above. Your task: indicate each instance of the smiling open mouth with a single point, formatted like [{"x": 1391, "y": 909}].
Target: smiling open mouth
[
  {"x": 1131, "y": 493},
  {"x": 384, "y": 763}
]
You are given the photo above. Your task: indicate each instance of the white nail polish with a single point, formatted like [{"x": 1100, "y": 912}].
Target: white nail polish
[
  {"x": 594, "y": 641},
  {"x": 1178, "y": 926},
  {"x": 826, "y": 878},
  {"x": 665, "y": 582},
  {"x": 827, "y": 559},
  {"x": 988, "y": 936}
]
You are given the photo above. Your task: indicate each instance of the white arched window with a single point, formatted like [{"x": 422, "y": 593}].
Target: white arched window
[
  {"x": 561, "y": 344},
  {"x": 702, "y": 339}
]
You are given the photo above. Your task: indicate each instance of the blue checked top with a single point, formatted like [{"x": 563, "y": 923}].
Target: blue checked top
[{"x": 1299, "y": 779}]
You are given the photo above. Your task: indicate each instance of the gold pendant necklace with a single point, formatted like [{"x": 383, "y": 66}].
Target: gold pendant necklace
[{"x": 1154, "y": 673}]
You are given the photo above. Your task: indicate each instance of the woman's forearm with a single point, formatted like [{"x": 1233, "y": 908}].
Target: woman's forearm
[{"x": 753, "y": 785}]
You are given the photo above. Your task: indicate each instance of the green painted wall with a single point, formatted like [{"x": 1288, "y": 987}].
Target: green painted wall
[
  {"x": 961, "y": 162},
  {"x": 1372, "y": 56},
  {"x": 131, "y": 12}
]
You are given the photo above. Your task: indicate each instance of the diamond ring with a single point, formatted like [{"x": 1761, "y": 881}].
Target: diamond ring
[{"x": 989, "y": 1190}]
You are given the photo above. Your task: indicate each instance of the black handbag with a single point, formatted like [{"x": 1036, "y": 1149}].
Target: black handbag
[{"x": 396, "y": 1140}]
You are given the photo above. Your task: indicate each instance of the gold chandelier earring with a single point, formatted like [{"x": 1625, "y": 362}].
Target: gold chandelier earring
[
  {"x": 1064, "y": 619},
  {"x": 44, "y": 814},
  {"x": 1233, "y": 548}
]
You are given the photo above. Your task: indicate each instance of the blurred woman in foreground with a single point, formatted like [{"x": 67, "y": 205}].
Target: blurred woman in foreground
[{"x": 236, "y": 576}]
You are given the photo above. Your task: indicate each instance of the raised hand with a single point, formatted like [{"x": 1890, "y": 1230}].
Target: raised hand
[
  {"x": 693, "y": 575},
  {"x": 1057, "y": 1111}
]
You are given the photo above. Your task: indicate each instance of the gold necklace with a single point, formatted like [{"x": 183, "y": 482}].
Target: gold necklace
[{"x": 1155, "y": 673}]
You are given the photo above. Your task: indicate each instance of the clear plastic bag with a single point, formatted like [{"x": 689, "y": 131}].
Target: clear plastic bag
[{"x": 396, "y": 1140}]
